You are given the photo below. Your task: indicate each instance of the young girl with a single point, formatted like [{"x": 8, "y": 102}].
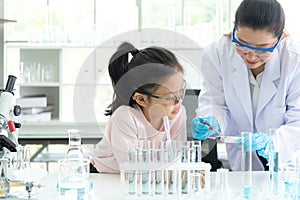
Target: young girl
[{"x": 146, "y": 88}]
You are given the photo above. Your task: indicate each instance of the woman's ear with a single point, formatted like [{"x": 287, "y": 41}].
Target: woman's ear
[{"x": 140, "y": 99}]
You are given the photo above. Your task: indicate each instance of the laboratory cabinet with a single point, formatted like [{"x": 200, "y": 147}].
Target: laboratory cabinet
[
  {"x": 37, "y": 72},
  {"x": 52, "y": 71},
  {"x": 57, "y": 72}
]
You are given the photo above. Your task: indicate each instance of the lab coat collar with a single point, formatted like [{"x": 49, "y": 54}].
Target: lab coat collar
[
  {"x": 240, "y": 80},
  {"x": 268, "y": 86}
]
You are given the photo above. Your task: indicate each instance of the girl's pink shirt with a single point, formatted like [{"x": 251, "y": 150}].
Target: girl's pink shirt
[{"x": 127, "y": 124}]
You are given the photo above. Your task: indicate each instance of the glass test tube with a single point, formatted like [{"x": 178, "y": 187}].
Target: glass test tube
[
  {"x": 196, "y": 151},
  {"x": 172, "y": 174},
  {"x": 246, "y": 164},
  {"x": 185, "y": 154},
  {"x": 152, "y": 148},
  {"x": 132, "y": 176},
  {"x": 195, "y": 175},
  {"x": 167, "y": 174},
  {"x": 144, "y": 157},
  {"x": 195, "y": 183},
  {"x": 273, "y": 162},
  {"x": 159, "y": 175}
]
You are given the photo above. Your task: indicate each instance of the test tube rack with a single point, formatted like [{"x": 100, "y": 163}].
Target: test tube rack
[{"x": 164, "y": 180}]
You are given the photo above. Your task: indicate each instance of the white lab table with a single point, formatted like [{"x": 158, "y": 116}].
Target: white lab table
[{"x": 107, "y": 186}]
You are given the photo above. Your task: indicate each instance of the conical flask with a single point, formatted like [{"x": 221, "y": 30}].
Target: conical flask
[{"x": 74, "y": 150}]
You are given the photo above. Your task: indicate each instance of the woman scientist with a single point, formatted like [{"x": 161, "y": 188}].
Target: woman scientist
[{"x": 251, "y": 82}]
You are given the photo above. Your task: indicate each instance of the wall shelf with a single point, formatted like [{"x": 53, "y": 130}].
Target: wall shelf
[{"x": 2, "y": 21}]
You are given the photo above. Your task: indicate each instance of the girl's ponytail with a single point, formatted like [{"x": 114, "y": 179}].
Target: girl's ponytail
[
  {"x": 118, "y": 63},
  {"x": 118, "y": 66}
]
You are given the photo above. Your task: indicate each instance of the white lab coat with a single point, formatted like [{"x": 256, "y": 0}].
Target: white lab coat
[{"x": 226, "y": 95}]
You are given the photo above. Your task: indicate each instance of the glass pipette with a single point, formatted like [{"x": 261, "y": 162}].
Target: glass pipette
[
  {"x": 168, "y": 136},
  {"x": 220, "y": 136}
]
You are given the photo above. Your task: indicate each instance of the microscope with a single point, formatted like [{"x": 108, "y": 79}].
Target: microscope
[
  {"x": 8, "y": 135},
  {"x": 8, "y": 143}
]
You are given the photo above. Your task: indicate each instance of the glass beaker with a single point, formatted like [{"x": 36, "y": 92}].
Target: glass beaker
[
  {"x": 74, "y": 150},
  {"x": 73, "y": 179},
  {"x": 47, "y": 74}
]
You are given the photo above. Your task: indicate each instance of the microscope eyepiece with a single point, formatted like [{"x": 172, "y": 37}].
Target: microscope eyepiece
[{"x": 10, "y": 83}]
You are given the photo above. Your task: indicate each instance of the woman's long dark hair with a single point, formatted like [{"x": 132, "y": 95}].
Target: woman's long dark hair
[{"x": 261, "y": 15}]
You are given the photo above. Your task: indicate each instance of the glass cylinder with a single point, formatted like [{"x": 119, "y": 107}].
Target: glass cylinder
[
  {"x": 246, "y": 164},
  {"x": 35, "y": 72},
  {"x": 74, "y": 150},
  {"x": 273, "y": 162},
  {"x": 292, "y": 177},
  {"x": 25, "y": 72},
  {"x": 47, "y": 72},
  {"x": 223, "y": 187}
]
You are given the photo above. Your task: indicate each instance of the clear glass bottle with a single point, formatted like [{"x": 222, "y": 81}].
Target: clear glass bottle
[{"x": 74, "y": 150}]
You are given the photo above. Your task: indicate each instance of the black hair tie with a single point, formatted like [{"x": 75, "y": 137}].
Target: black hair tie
[{"x": 134, "y": 51}]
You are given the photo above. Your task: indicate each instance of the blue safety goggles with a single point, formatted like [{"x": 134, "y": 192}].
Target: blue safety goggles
[{"x": 271, "y": 49}]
